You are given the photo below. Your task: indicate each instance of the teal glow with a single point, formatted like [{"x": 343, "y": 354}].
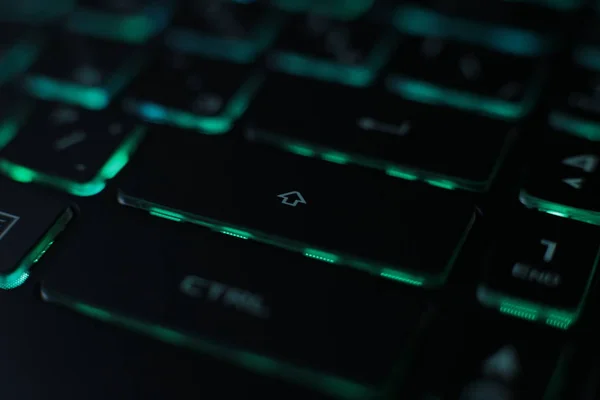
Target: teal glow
[
  {"x": 90, "y": 97},
  {"x": 425, "y": 92},
  {"x": 420, "y": 21},
  {"x": 405, "y": 275},
  {"x": 588, "y": 57},
  {"x": 18, "y": 59},
  {"x": 305, "y": 149},
  {"x": 131, "y": 28},
  {"x": 589, "y": 130},
  {"x": 352, "y": 75},
  {"x": 111, "y": 168},
  {"x": 34, "y": 11},
  {"x": 238, "y": 50},
  {"x": 215, "y": 125},
  {"x": 340, "y": 9}
]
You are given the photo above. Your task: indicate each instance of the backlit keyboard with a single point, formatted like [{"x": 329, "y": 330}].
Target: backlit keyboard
[{"x": 370, "y": 199}]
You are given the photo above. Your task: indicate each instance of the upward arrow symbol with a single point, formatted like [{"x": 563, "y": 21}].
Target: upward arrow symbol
[{"x": 292, "y": 198}]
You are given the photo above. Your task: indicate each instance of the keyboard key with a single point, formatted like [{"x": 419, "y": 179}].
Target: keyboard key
[
  {"x": 562, "y": 178},
  {"x": 193, "y": 93},
  {"x": 72, "y": 149},
  {"x": 351, "y": 53},
  {"x": 130, "y": 21},
  {"x": 267, "y": 310},
  {"x": 83, "y": 71},
  {"x": 224, "y": 30},
  {"x": 577, "y": 109},
  {"x": 438, "y": 71},
  {"x": 30, "y": 221},
  {"x": 303, "y": 205},
  {"x": 540, "y": 268},
  {"x": 379, "y": 130},
  {"x": 18, "y": 50},
  {"x": 505, "y": 26}
]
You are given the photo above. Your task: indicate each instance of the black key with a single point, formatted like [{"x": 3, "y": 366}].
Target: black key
[
  {"x": 379, "y": 130},
  {"x": 439, "y": 71},
  {"x": 577, "y": 107},
  {"x": 30, "y": 221},
  {"x": 83, "y": 71},
  {"x": 193, "y": 93},
  {"x": 72, "y": 149},
  {"x": 562, "y": 177},
  {"x": 130, "y": 21},
  {"x": 540, "y": 268},
  {"x": 348, "y": 52},
  {"x": 333, "y": 213},
  {"x": 341, "y": 9},
  {"x": 514, "y": 26},
  {"x": 224, "y": 30},
  {"x": 260, "y": 308}
]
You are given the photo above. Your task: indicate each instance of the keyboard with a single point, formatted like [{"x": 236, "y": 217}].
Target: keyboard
[{"x": 309, "y": 199}]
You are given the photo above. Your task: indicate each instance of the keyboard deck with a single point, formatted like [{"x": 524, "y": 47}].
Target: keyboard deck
[{"x": 352, "y": 200}]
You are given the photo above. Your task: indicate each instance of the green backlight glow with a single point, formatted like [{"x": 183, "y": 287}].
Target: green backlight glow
[
  {"x": 19, "y": 275},
  {"x": 129, "y": 28},
  {"x": 387, "y": 271},
  {"x": 17, "y": 59},
  {"x": 327, "y": 384},
  {"x": 214, "y": 125},
  {"x": 397, "y": 171},
  {"x": 588, "y": 57},
  {"x": 90, "y": 97},
  {"x": 575, "y": 126},
  {"x": 237, "y": 50},
  {"x": 110, "y": 169},
  {"x": 429, "y": 93},
  {"x": 559, "y": 210},
  {"x": 352, "y": 75},
  {"x": 339, "y": 9},
  {"x": 420, "y": 21}
]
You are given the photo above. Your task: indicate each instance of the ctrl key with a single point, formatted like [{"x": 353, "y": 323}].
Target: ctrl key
[
  {"x": 30, "y": 220},
  {"x": 541, "y": 268}
]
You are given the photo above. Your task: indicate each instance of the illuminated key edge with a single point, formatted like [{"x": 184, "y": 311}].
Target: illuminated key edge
[
  {"x": 407, "y": 173},
  {"x": 528, "y": 310},
  {"x": 559, "y": 210},
  {"x": 272, "y": 367},
  {"x": 415, "y": 20},
  {"x": 133, "y": 29},
  {"x": 46, "y": 88},
  {"x": 429, "y": 93},
  {"x": 578, "y": 127},
  {"x": 587, "y": 56},
  {"x": 59, "y": 8},
  {"x": 19, "y": 275},
  {"x": 394, "y": 273},
  {"x": 18, "y": 59},
  {"x": 241, "y": 51},
  {"x": 298, "y": 7},
  {"x": 115, "y": 163}
]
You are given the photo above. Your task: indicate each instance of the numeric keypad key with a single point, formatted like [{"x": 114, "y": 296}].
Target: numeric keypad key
[
  {"x": 563, "y": 178},
  {"x": 540, "y": 268}
]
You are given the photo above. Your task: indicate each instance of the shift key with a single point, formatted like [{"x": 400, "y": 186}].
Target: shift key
[{"x": 406, "y": 231}]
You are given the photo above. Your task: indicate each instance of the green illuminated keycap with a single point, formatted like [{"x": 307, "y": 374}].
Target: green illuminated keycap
[
  {"x": 72, "y": 149},
  {"x": 83, "y": 71},
  {"x": 348, "y": 52},
  {"x": 224, "y": 30},
  {"x": 541, "y": 268},
  {"x": 193, "y": 93},
  {"x": 303, "y": 205},
  {"x": 107, "y": 19},
  {"x": 30, "y": 221},
  {"x": 18, "y": 50},
  {"x": 435, "y": 70}
]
